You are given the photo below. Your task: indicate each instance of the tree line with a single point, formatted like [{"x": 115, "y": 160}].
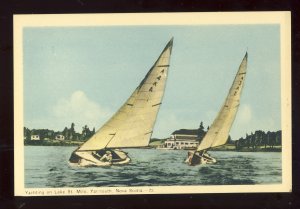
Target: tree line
[
  {"x": 68, "y": 133},
  {"x": 255, "y": 140},
  {"x": 260, "y": 139}
]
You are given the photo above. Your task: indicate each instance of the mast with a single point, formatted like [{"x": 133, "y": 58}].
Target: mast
[
  {"x": 218, "y": 133},
  {"x": 132, "y": 125}
]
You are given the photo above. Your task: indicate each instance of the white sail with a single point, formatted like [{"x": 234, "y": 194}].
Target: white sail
[
  {"x": 132, "y": 124},
  {"x": 219, "y": 130}
]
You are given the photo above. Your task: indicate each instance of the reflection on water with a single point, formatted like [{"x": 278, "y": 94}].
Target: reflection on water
[{"x": 47, "y": 166}]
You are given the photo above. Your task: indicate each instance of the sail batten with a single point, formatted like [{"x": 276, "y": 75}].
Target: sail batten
[
  {"x": 218, "y": 133},
  {"x": 133, "y": 122}
]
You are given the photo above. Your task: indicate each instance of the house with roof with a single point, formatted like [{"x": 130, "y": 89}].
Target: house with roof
[
  {"x": 184, "y": 139},
  {"x": 60, "y": 137},
  {"x": 35, "y": 137}
]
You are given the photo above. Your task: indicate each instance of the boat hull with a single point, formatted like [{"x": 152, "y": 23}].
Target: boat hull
[
  {"x": 93, "y": 159},
  {"x": 194, "y": 158}
]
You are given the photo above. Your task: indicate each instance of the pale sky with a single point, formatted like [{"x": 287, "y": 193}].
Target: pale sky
[{"x": 84, "y": 74}]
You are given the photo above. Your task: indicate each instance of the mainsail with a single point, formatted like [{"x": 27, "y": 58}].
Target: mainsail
[
  {"x": 132, "y": 124},
  {"x": 219, "y": 130}
]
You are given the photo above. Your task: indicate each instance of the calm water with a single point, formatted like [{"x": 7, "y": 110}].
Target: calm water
[{"x": 47, "y": 166}]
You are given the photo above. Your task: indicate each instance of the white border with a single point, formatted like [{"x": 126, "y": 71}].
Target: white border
[{"x": 220, "y": 18}]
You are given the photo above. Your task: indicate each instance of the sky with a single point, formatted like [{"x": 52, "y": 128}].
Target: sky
[{"x": 84, "y": 74}]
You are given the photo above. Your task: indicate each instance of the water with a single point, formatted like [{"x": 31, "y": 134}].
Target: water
[{"x": 47, "y": 166}]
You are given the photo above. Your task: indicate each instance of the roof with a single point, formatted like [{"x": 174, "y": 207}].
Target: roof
[
  {"x": 186, "y": 136},
  {"x": 187, "y": 131}
]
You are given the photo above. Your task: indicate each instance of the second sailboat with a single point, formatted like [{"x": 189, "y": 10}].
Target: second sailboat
[{"x": 218, "y": 132}]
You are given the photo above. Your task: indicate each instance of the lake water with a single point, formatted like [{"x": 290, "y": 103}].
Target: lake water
[{"x": 47, "y": 166}]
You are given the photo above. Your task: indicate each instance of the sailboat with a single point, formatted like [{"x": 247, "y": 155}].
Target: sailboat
[
  {"x": 132, "y": 125},
  {"x": 218, "y": 132}
]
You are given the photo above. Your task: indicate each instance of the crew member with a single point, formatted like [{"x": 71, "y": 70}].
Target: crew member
[{"x": 107, "y": 157}]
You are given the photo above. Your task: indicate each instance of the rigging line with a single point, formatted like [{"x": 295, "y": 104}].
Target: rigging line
[{"x": 110, "y": 139}]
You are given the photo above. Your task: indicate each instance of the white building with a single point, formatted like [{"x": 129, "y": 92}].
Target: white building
[
  {"x": 182, "y": 139},
  {"x": 35, "y": 137},
  {"x": 60, "y": 137}
]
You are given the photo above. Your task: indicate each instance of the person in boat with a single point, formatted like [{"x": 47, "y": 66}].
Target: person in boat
[
  {"x": 189, "y": 159},
  {"x": 96, "y": 155},
  {"x": 198, "y": 157},
  {"x": 191, "y": 156},
  {"x": 107, "y": 157}
]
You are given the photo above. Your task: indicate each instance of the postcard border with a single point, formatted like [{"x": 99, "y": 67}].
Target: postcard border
[{"x": 282, "y": 18}]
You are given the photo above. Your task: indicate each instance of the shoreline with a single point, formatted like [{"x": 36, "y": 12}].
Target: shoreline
[
  {"x": 250, "y": 150},
  {"x": 226, "y": 147},
  {"x": 230, "y": 147},
  {"x": 53, "y": 143}
]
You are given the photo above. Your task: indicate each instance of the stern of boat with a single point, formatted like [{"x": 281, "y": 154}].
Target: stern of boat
[{"x": 195, "y": 158}]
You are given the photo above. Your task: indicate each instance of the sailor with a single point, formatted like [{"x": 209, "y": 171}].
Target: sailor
[
  {"x": 189, "y": 158},
  {"x": 107, "y": 157},
  {"x": 96, "y": 155}
]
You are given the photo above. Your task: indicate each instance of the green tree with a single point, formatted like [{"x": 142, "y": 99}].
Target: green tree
[
  {"x": 65, "y": 133},
  {"x": 278, "y": 138},
  {"x": 27, "y": 134},
  {"x": 238, "y": 144},
  {"x": 86, "y": 133},
  {"x": 72, "y": 131},
  {"x": 229, "y": 140},
  {"x": 201, "y": 127}
]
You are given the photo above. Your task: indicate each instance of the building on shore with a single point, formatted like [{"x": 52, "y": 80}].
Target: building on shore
[
  {"x": 60, "y": 137},
  {"x": 35, "y": 137},
  {"x": 183, "y": 139}
]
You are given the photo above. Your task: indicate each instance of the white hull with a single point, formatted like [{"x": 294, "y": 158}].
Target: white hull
[
  {"x": 89, "y": 159},
  {"x": 86, "y": 163}
]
